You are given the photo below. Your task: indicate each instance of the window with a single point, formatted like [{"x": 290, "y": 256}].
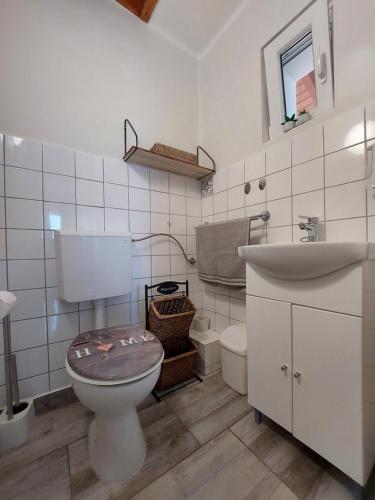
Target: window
[{"x": 297, "y": 68}]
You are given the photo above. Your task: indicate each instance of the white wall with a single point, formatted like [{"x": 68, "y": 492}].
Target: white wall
[
  {"x": 230, "y": 85},
  {"x": 71, "y": 71}
]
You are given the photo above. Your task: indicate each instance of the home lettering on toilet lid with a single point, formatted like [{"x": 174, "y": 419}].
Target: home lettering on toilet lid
[{"x": 117, "y": 353}]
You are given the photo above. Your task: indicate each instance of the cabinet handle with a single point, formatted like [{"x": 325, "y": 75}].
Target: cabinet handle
[
  {"x": 284, "y": 368},
  {"x": 297, "y": 375}
]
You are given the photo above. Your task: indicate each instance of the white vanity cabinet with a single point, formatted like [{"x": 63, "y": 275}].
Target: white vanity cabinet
[{"x": 311, "y": 360}]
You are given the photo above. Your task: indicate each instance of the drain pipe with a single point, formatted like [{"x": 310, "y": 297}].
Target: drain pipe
[{"x": 99, "y": 309}]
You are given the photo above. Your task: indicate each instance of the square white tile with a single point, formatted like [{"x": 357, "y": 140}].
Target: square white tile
[
  {"x": 89, "y": 166},
  {"x": 178, "y": 264},
  {"x": 344, "y": 130},
  {"x": 278, "y": 157},
  {"x": 220, "y": 181},
  {"x": 139, "y": 199},
  {"x": 236, "y": 198},
  {"x": 346, "y": 201},
  {"x": 346, "y": 165},
  {"x": 193, "y": 188},
  {"x": 116, "y": 220},
  {"x": 25, "y": 244},
  {"x": 49, "y": 245},
  {"x": 177, "y": 204},
  {"x": 23, "y": 183},
  {"x": 207, "y": 206},
  {"x": 139, "y": 222},
  {"x": 24, "y": 214},
  {"x": 115, "y": 171},
  {"x": 90, "y": 218},
  {"x": 177, "y": 224},
  {"x": 51, "y": 273},
  {"x": 60, "y": 188},
  {"x": 220, "y": 202},
  {"x": 59, "y": 379},
  {"x": 307, "y": 145},
  {"x": 280, "y": 235},
  {"x": 2, "y": 180},
  {"x": 308, "y": 177},
  {"x": 160, "y": 223},
  {"x": 194, "y": 207},
  {"x": 279, "y": 185},
  {"x": 32, "y": 362},
  {"x": 62, "y": 327},
  {"x": 161, "y": 265},
  {"x": 2, "y": 244},
  {"x": 255, "y": 166},
  {"x": 281, "y": 212},
  {"x": 28, "y": 333},
  {"x": 342, "y": 230},
  {"x": 34, "y": 386},
  {"x": 23, "y": 153},
  {"x": 177, "y": 184},
  {"x": 89, "y": 193},
  {"x": 59, "y": 216},
  {"x": 25, "y": 274},
  {"x": 160, "y": 245},
  {"x": 115, "y": 196},
  {"x": 191, "y": 223},
  {"x": 139, "y": 176},
  {"x": 159, "y": 202},
  {"x": 58, "y": 160},
  {"x": 371, "y": 228},
  {"x": 30, "y": 304},
  {"x": 57, "y": 354},
  {"x": 236, "y": 174},
  {"x": 141, "y": 267},
  {"x": 118, "y": 315},
  {"x": 159, "y": 180}
]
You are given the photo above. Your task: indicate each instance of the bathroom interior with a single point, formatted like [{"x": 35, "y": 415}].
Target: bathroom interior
[{"x": 187, "y": 249}]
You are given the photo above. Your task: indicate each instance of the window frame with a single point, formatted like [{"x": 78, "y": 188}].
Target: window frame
[{"x": 316, "y": 16}]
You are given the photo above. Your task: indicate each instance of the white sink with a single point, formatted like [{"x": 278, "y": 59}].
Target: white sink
[{"x": 301, "y": 261}]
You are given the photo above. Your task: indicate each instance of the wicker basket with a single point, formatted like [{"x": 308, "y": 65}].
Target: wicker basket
[
  {"x": 175, "y": 153},
  {"x": 170, "y": 317},
  {"x": 178, "y": 365}
]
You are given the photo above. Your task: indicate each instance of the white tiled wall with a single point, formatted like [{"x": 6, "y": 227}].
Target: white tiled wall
[
  {"x": 45, "y": 188},
  {"x": 320, "y": 172}
]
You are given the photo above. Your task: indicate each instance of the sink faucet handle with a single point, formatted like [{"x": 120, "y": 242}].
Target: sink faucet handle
[{"x": 307, "y": 217}]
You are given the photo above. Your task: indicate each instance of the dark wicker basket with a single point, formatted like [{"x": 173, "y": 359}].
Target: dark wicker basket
[
  {"x": 170, "y": 317},
  {"x": 178, "y": 364}
]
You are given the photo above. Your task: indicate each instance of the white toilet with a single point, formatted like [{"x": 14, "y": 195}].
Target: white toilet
[
  {"x": 113, "y": 370},
  {"x": 233, "y": 342}
]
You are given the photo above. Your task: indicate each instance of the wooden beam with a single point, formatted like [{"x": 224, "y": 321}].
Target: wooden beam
[
  {"x": 148, "y": 9},
  {"x": 141, "y": 8}
]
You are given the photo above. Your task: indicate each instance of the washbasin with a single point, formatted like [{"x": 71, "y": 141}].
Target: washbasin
[{"x": 301, "y": 261}]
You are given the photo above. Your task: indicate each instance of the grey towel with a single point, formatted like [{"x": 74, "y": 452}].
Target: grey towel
[{"x": 217, "y": 251}]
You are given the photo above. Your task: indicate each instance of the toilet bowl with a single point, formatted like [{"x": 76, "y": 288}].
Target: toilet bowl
[{"x": 113, "y": 370}]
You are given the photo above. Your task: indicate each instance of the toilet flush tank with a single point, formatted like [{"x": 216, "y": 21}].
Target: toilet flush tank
[{"x": 92, "y": 266}]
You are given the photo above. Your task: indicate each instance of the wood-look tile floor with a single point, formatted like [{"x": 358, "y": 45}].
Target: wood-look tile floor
[{"x": 203, "y": 443}]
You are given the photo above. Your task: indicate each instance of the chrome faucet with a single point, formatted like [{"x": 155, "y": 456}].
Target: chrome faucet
[{"x": 311, "y": 226}]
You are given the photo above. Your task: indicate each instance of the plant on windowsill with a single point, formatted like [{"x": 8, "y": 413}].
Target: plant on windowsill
[
  {"x": 289, "y": 122},
  {"x": 303, "y": 117}
]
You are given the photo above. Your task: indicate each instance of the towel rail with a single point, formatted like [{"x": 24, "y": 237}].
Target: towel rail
[{"x": 265, "y": 216}]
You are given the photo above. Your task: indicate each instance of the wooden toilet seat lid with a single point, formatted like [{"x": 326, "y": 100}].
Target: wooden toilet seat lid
[{"x": 114, "y": 354}]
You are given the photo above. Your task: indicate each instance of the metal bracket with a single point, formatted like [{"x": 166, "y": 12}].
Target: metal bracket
[
  {"x": 126, "y": 123},
  {"x": 199, "y": 148}
]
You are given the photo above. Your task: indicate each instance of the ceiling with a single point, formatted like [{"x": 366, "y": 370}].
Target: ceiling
[{"x": 194, "y": 25}]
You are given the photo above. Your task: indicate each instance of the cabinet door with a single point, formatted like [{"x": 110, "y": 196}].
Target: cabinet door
[
  {"x": 327, "y": 396},
  {"x": 269, "y": 358}
]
